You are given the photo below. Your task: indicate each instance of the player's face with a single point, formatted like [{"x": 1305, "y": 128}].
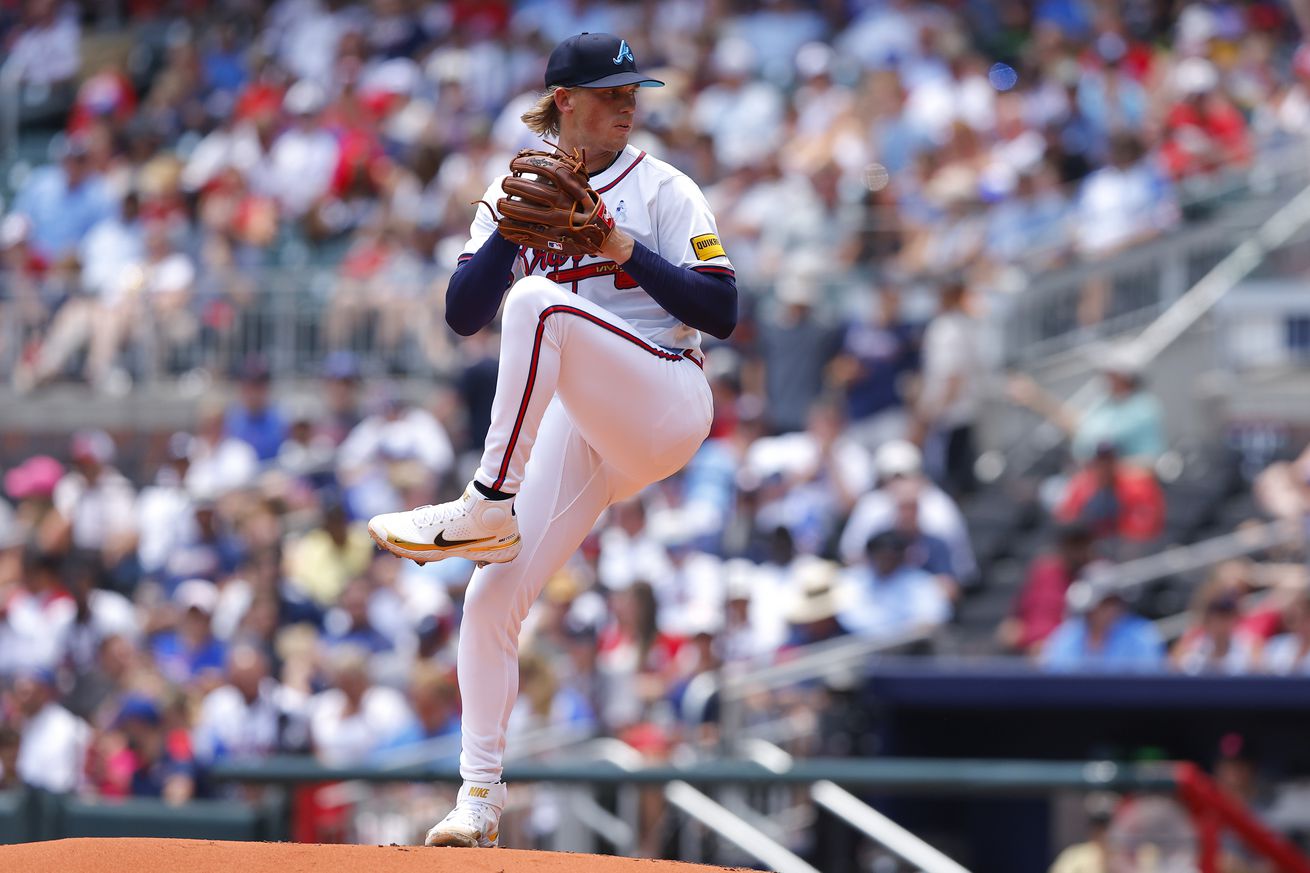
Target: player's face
[{"x": 601, "y": 118}]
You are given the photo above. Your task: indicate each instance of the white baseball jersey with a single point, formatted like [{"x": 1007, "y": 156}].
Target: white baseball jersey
[{"x": 657, "y": 205}]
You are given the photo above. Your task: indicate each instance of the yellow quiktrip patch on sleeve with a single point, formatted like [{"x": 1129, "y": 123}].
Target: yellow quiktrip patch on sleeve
[{"x": 707, "y": 246}]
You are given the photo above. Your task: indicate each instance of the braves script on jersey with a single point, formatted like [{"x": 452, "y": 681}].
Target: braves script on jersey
[{"x": 657, "y": 205}]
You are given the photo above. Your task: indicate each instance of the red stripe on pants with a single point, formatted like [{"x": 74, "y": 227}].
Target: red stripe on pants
[{"x": 532, "y": 371}]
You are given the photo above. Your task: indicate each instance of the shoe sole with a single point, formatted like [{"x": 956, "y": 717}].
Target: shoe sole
[
  {"x": 451, "y": 841},
  {"x": 501, "y": 554}
]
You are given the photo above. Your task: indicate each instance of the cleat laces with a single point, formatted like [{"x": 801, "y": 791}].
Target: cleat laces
[
  {"x": 427, "y": 516},
  {"x": 470, "y": 815}
]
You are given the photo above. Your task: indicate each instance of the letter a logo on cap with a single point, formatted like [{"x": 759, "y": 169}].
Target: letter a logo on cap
[{"x": 625, "y": 53}]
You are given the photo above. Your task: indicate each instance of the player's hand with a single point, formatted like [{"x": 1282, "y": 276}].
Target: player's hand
[{"x": 617, "y": 247}]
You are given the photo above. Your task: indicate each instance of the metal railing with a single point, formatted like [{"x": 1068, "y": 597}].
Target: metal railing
[
  {"x": 1140, "y": 283},
  {"x": 1170, "y": 314},
  {"x": 881, "y": 829},
  {"x": 293, "y": 313},
  {"x": 828, "y": 659},
  {"x": 964, "y": 775},
  {"x": 740, "y": 832},
  {"x": 860, "y": 815},
  {"x": 1212, "y": 809},
  {"x": 1207, "y": 553},
  {"x": 524, "y": 746},
  {"x": 295, "y": 316},
  {"x": 291, "y": 316},
  {"x": 690, "y": 789},
  {"x": 1046, "y": 318}
]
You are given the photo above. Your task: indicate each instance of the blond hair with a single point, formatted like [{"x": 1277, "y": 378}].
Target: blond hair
[{"x": 543, "y": 117}]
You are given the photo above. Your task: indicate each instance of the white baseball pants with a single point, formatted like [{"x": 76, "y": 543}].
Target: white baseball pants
[{"x": 586, "y": 413}]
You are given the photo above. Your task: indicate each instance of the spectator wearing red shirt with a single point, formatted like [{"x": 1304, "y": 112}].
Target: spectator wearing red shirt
[
  {"x": 107, "y": 94},
  {"x": 1114, "y": 499},
  {"x": 1204, "y": 132},
  {"x": 1040, "y": 607}
]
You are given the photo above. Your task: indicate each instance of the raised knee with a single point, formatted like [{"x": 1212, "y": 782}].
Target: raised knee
[{"x": 533, "y": 294}]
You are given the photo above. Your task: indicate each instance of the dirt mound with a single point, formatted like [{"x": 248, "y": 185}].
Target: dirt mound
[{"x": 210, "y": 856}]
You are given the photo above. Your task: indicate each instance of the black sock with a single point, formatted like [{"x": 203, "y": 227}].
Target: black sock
[{"x": 490, "y": 493}]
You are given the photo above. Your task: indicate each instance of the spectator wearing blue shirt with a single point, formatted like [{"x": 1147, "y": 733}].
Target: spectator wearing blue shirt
[
  {"x": 434, "y": 697},
  {"x": 1032, "y": 227},
  {"x": 187, "y": 652},
  {"x": 898, "y": 141},
  {"x": 1101, "y": 634},
  {"x": 64, "y": 201},
  {"x": 253, "y": 418},
  {"x": 223, "y": 63},
  {"x": 796, "y": 345},
  {"x": 929, "y": 553},
  {"x": 1111, "y": 98},
  {"x": 1073, "y": 18},
  {"x": 877, "y": 353},
  {"x": 348, "y": 623},
  {"x": 891, "y": 596},
  {"x": 205, "y": 547}
]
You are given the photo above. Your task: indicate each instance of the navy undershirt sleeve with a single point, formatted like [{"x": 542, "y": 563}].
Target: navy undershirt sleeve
[
  {"x": 705, "y": 301},
  {"x": 479, "y": 284}
]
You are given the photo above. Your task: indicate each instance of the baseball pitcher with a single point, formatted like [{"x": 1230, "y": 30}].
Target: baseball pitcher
[{"x": 613, "y": 267}]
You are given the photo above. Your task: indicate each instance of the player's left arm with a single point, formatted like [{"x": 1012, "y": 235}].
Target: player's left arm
[{"x": 690, "y": 276}]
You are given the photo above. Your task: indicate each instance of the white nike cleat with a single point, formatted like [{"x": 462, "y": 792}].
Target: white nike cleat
[
  {"x": 474, "y": 823},
  {"x": 471, "y": 527}
]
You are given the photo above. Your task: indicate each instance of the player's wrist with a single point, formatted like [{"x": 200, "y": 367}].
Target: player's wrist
[{"x": 618, "y": 247}]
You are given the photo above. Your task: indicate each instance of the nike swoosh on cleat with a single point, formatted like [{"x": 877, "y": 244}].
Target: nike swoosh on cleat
[
  {"x": 423, "y": 547},
  {"x": 441, "y": 542}
]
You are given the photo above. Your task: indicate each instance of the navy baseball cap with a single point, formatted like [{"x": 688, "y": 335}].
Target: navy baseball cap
[{"x": 594, "y": 60}]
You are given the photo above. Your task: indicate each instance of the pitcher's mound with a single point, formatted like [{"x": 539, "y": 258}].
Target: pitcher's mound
[{"x": 211, "y": 856}]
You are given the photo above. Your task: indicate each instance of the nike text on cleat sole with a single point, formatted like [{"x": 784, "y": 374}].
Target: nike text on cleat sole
[{"x": 487, "y": 551}]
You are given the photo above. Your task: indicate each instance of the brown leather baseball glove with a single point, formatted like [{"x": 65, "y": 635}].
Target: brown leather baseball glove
[{"x": 550, "y": 205}]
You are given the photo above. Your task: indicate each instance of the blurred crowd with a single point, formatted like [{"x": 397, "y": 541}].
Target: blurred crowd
[
  {"x": 226, "y": 601},
  {"x": 221, "y": 157},
  {"x": 175, "y": 600}
]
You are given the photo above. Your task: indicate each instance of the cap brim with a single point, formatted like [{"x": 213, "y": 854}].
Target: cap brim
[{"x": 620, "y": 79}]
